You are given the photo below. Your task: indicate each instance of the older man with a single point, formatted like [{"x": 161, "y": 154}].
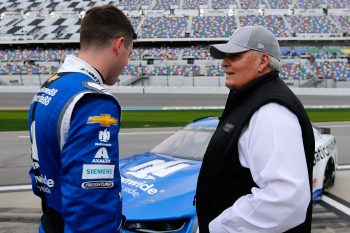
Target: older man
[{"x": 257, "y": 170}]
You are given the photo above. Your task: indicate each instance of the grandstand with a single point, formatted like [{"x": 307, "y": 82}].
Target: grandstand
[{"x": 174, "y": 36}]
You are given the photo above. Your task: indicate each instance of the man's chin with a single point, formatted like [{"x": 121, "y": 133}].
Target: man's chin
[
  {"x": 112, "y": 82},
  {"x": 229, "y": 85}
]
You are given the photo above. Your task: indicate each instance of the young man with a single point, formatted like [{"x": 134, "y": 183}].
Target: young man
[
  {"x": 74, "y": 124},
  {"x": 256, "y": 173}
]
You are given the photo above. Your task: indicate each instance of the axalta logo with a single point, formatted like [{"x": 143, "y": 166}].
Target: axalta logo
[
  {"x": 101, "y": 156},
  {"x": 157, "y": 167},
  {"x": 44, "y": 180}
]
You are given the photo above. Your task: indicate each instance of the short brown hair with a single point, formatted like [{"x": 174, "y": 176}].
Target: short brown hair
[{"x": 102, "y": 24}]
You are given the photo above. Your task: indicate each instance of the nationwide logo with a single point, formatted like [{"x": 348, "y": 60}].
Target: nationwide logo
[
  {"x": 157, "y": 167},
  {"x": 97, "y": 184},
  {"x": 143, "y": 186},
  {"x": 44, "y": 184},
  {"x": 104, "y": 120},
  {"x": 104, "y": 136},
  {"x": 101, "y": 156}
]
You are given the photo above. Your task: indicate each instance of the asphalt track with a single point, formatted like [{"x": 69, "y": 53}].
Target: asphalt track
[
  {"x": 22, "y": 100},
  {"x": 20, "y": 209}
]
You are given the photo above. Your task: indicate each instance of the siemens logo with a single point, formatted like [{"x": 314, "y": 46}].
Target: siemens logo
[{"x": 98, "y": 171}]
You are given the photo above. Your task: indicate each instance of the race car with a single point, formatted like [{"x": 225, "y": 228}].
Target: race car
[{"x": 159, "y": 186}]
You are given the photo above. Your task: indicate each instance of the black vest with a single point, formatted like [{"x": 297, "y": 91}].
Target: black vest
[{"x": 222, "y": 179}]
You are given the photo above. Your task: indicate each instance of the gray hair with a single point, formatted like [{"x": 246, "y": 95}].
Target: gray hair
[{"x": 274, "y": 63}]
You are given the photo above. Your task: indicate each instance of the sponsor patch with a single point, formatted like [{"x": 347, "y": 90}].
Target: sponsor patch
[
  {"x": 101, "y": 156},
  {"x": 104, "y": 120},
  {"x": 97, "y": 184},
  {"x": 228, "y": 127},
  {"x": 157, "y": 167},
  {"x": 143, "y": 186},
  {"x": 98, "y": 171},
  {"x": 104, "y": 136}
]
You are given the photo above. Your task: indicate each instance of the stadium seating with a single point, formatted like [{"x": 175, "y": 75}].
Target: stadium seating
[
  {"x": 251, "y": 4},
  {"x": 194, "y": 4},
  {"x": 312, "y": 24},
  {"x": 165, "y": 4},
  {"x": 336, "y": 69},
  {"x": 182, "y": 21},
  {"x": 330, "y": 62},
  {"x": 213, "y": 26},
  {"x": 163, "y": 27},
  {"x": 273, "y": 22}
]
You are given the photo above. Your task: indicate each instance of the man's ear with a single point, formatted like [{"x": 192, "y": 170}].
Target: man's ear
[
  {"x": 117, "y": 44},
  {"x": 264, "y": 62}
]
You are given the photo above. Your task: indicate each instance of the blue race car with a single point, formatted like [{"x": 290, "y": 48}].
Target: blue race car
[{"x": 159, "y": 186}]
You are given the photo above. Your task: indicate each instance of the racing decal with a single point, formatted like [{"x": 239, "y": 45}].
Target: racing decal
[
  {"x": 141, "y": 185},
  {"x": 321, "y": 153},
  {"x": 156, "y": 167},
  {"x": 104, "y": 120},
  {"x": 314, "y": 182},
  {"x": 101, "y": 156},
  {"x": 104, "y": 137},
  {"x": 98, "y": 171},
  {"x": 97, "y": 184},
  {"x": 44, "y": 184},
  {"x": 34, "y": 147}
]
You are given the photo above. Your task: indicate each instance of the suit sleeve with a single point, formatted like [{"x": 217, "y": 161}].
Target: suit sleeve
[{"x": 91, "y": 188}]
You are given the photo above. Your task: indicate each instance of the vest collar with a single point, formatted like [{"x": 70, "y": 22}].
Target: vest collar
[
  {"x": 75, "y": 64},
  {"x": 237, "y": 95}
]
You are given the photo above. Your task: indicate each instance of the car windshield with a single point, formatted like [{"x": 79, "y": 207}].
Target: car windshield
[{"x": 190, "y": 143}]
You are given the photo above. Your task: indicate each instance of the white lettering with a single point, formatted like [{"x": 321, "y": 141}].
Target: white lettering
[
  {"x": 140, "y": 185},
  {"x": 43, "y": 180},
  {"x": 156, "y": 167}
]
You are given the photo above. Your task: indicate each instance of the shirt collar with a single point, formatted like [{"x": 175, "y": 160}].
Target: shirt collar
[{"x": 75, "y": 64}]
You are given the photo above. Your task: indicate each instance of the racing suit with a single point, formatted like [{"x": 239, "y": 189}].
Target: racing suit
[{"x": 74, "y": 124}]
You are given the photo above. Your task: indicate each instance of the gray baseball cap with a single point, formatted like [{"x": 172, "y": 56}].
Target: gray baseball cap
[{"x": 246, "y": 38}]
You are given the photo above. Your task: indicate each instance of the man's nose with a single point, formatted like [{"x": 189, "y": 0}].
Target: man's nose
[{"x": 224, "y": 64}]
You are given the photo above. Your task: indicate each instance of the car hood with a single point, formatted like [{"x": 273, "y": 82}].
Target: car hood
[{"x": 161, "y": 186}]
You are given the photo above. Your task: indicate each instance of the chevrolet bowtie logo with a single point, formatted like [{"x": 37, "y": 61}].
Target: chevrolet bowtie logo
[
  {"x": 53, "y": 78},
  {"x": 103, "y": 120}
]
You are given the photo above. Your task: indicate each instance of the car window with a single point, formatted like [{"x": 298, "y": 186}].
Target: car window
[
  {"x": 317, "y": 134},
  {"x": 188, "y": 143}
]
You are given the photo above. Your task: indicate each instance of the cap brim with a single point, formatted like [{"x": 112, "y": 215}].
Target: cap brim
[{"x": 219, "y": 51}]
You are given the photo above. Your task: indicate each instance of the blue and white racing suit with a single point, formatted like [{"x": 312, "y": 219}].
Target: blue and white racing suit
[{"x": 74, "y": 124}]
